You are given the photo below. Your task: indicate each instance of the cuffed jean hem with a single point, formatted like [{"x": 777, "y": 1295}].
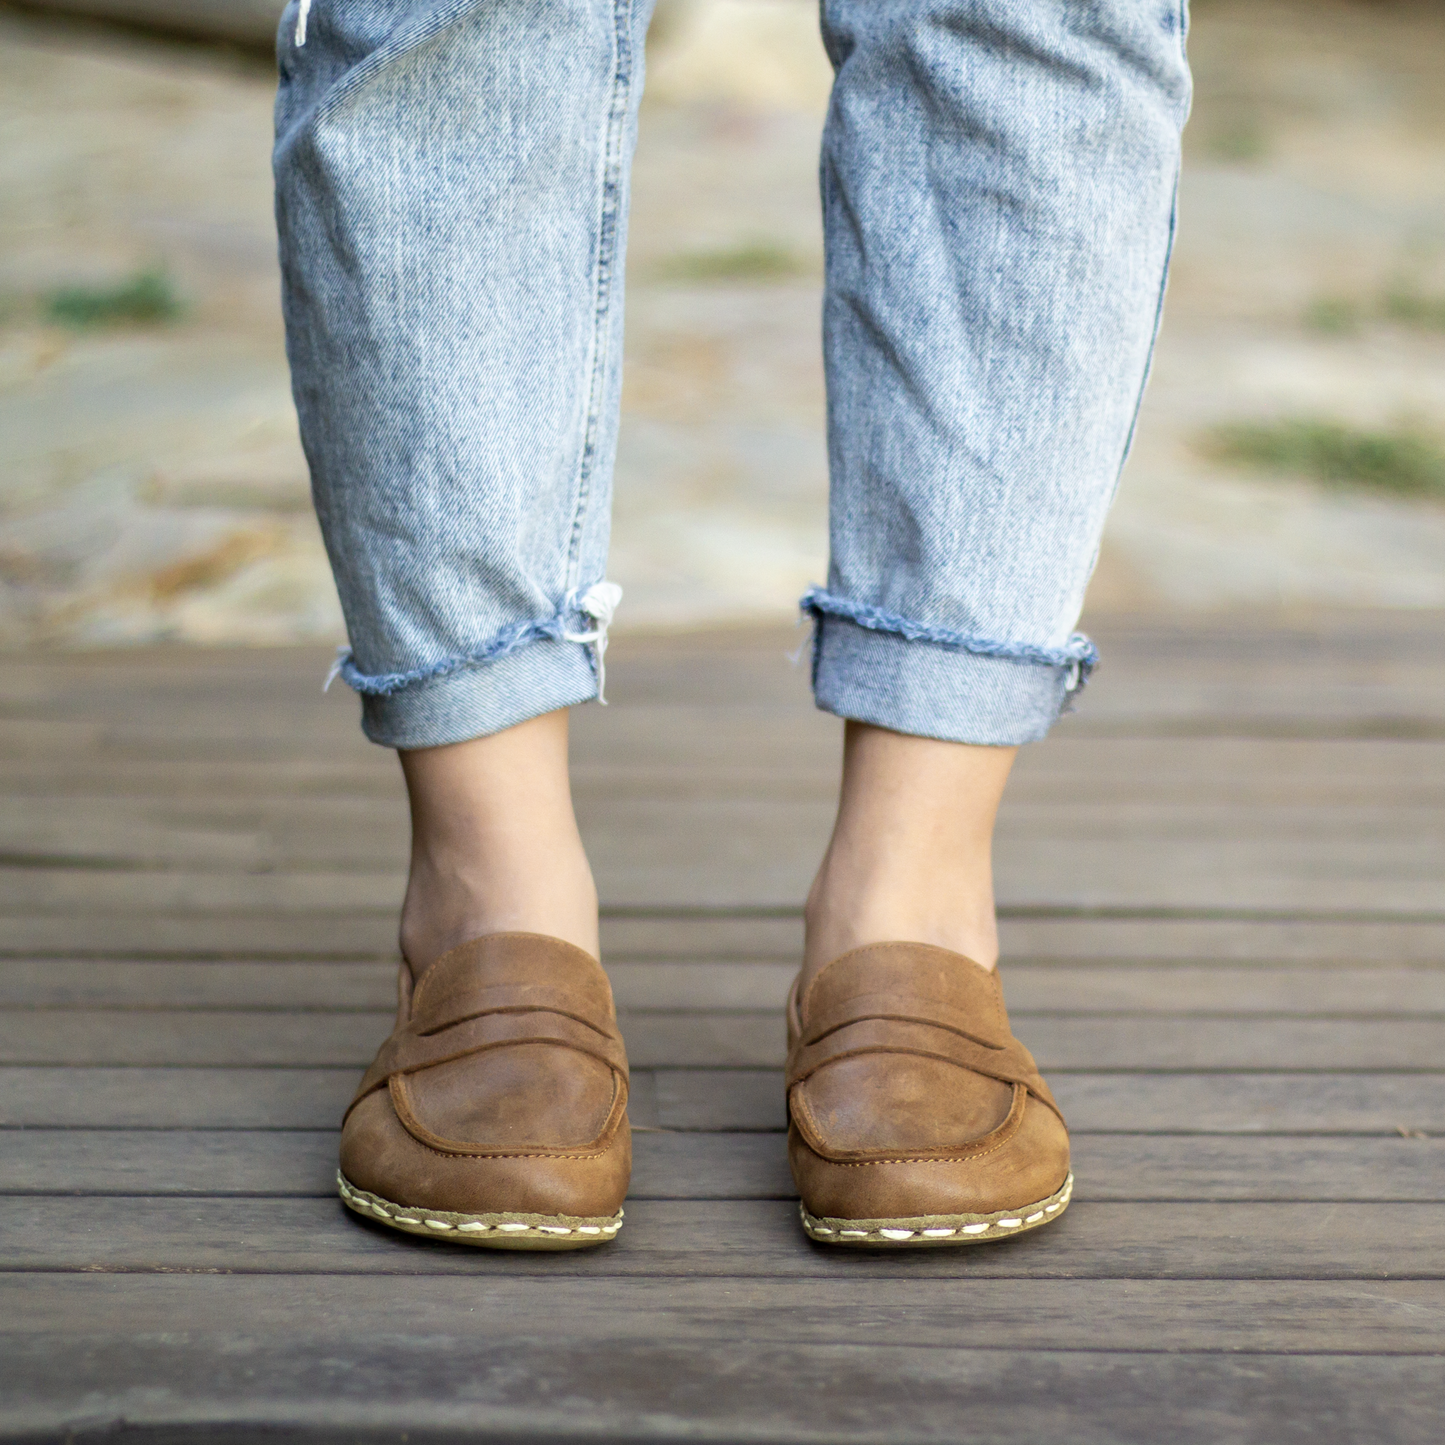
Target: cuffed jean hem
[
  {"x": 934, "y": 690},
  {"x": 483, "y": 698}
]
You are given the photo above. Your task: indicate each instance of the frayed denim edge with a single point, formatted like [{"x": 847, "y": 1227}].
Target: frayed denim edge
[
  {"x": 564, "y": 625},
  {"x": 1078, "y": 656}
]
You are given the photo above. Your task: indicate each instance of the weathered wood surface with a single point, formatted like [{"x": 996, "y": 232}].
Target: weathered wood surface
[
  {"x": 1157, "y": 1044},
  {"x": 715, "y": 1360},
  {"x": 1223, "y": 890},
  {"x": 752, "y": 1238},
  {"x": 1322, "y": 990},
  {"x": 678, "y": 1165},
  {"x": 710, "y": 1100}
]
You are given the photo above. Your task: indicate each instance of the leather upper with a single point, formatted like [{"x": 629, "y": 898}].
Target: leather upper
[
  {"x": 908, "y": 1094},
  {"x": 502, "y": 1088}
]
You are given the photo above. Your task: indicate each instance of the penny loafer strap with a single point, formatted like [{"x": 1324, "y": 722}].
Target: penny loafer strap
[
  {"x": 892, "y": 1034},
  {"x": 991, "y": 1032},
  {"x": 405, "y": 1052}
]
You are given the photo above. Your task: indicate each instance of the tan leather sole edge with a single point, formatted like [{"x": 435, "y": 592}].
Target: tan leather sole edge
[
  {"x": 933, "y": 1229},
  {"x": 487, "y": 1231}
]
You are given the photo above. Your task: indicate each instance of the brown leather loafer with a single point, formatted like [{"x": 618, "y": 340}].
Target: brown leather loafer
[
  {"x": 914, "y": 1115},
  {"x": 496, "y": 1113}
]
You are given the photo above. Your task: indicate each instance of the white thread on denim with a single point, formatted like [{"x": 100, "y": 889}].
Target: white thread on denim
[
  {"x": 599, "y": 602},
  {"x": 603, "y": 598},
  {"x": 303, "y": 13}
]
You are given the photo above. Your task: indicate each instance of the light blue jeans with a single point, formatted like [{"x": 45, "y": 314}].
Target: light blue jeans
[{"x": 998, "y": 184}]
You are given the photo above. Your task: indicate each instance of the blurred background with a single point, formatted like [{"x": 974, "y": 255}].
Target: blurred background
[{"x": 1291, "y": 455}]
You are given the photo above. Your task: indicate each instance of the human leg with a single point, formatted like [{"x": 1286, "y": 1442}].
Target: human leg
[
  {"x": 451, "y": 198},
  {"x": 451, "y": 201},
  {"x": 495, "y": 847},
  {"x": 998, "y": 186},
  {"x": 451, "y": 185},
  {"x": 910, "y": 855}
]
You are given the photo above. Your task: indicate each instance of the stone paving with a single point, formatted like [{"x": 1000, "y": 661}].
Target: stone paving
[{"x": 151, "y": 485}]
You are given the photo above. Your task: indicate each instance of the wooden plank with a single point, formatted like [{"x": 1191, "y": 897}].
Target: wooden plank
[
  {"x": 392, "y": 1387},
  {"x": 302, "y": 1163},
  {"x": 1031, "y": 988},
  {"x": 662, "y": 1390},
  {"x": 128, "y": 1098},
  {"x": 67, "y": 774},
  {"x": 129, "y": 984},
  {"x": 241, "y": 1312},
  {"x": 745, "y": 854},
  {"x": 680, "y": 934},
  {"x": 1213, "y": 940},
  {"x": 706, "y": 1040},
  {"x": 66, "y": 891},
  {"x": 1085, "y": 774},
  {"x": 1210, "y": 844},
  {"x": 120, "y": 934},
  {"x": 1196, "y": 1103},
  {"x": 1096, "y": 772},
  {"x": 734, "y": 1238},
  {"x": 731, "y": 1099}
]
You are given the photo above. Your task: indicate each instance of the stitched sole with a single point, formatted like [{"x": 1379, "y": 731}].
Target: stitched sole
[
  {"x": 487, "y": 1231},
  {"x": 932, "y": 1229}
]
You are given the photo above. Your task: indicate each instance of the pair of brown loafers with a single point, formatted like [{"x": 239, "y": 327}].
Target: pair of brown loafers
[{"x": 496, "y": 1113}]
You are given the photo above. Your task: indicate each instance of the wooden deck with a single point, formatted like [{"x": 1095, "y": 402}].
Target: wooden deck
[{"x": 1223, "y": 893}]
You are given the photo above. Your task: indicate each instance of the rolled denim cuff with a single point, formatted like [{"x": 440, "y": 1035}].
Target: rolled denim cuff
[
  {"x": 484, "y": 698},
  {"x": 936, "y": 690}
]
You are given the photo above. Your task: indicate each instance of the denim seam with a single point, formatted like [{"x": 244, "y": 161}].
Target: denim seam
[
  {"x": 607, "y": 226},
  {"x": 1154, "y": 338},
  {"x": 568, "y": 617},
  {"x": 1078, "y": 655},
  {"x": 1183, "y": 32}
]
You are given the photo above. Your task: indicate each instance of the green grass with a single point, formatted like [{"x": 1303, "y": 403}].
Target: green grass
[
  {"x": 1403, "y": 461},
  {"x": 751, "y": 261},
  {"x": 1333, "y": 316},
  {"x": 146, "y": 299},
  {"x": 1414, "y": 307},
  {"x": 1242, "y": 139},
  {"x": 1403, "y": 303}
]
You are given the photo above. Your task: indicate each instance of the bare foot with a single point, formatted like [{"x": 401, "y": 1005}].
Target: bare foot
[
  {"x": 494, "y": 846},
  {"x": 911, "y": 854}
]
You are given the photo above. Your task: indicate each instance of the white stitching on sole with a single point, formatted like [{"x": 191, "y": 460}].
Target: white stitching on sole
[
  {"x": 897, "y": 1234},
  {"x": 395, "y": 1214}
]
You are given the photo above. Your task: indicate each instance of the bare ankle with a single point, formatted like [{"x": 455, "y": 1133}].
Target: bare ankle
[
  {"x": 495, "y": 847},
  {"x": 910, "y": 856}
]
